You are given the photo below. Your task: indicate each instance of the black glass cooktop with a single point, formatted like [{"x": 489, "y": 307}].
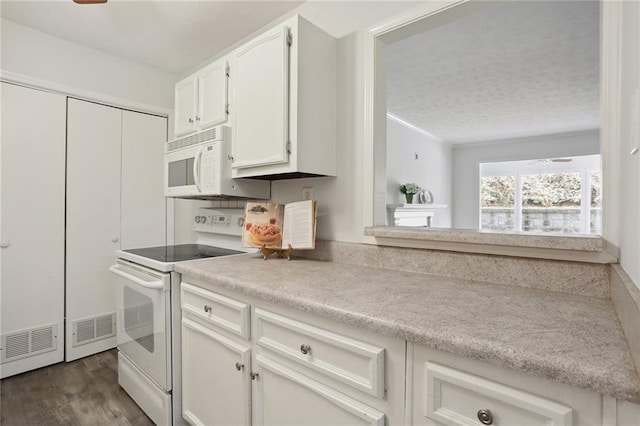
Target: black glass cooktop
[{"x": 181, "y": 252}]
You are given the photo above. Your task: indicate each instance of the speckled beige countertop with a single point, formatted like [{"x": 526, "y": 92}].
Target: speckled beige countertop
[{"x": 569, "y": 338}]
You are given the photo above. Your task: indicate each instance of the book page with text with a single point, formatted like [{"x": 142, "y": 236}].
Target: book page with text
[{"x": 299, "y": 227}]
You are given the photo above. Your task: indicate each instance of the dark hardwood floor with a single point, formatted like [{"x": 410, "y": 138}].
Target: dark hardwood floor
[{"x": 82, "y": 392}]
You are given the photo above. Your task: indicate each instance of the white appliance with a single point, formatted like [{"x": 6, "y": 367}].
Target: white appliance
[
  {"x": 199, "y": 166},
  {"x": 148, "y": 312}
]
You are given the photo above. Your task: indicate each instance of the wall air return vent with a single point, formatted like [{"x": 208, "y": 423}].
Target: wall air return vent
[
  {"x": 207, "y": 135},
  {"x": 88, "y": 330},
  {"x": 30, "y": 342}
]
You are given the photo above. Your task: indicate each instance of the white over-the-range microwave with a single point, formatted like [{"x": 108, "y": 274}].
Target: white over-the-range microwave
[{"x": 199, "y": 166}]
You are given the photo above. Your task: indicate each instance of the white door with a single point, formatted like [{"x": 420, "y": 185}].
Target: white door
[
  {"x": 32, "y": 226},
  {"x": 261, "y": 69},
  {"x": 216, "y": 386},
  {"x": 143, "y": 205},
  {"x": 212, "y": 95},
  {"x": 93, "y": 219},
  {"x": 185, "y": 106},
  {"x": 283, "y": 396}
]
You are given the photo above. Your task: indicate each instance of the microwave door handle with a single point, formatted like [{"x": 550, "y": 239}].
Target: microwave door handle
[
  {"x": 154, "y": 285},
  {"x": 196, "y": 169}
]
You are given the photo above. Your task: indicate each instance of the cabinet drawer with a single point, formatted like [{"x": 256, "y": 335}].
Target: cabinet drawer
[
  {"x": 458, "y": 398},
  {"x": 221, "y": 311},
  {"x": 355, "y": 363}
]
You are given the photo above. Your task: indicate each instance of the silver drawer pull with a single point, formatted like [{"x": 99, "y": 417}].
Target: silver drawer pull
[
  {"x": 485, "y": 417},
  {"x": 207, "y": 308},
  {"x": 305, "y": 349},
  {"x": 239, "y": 366}
]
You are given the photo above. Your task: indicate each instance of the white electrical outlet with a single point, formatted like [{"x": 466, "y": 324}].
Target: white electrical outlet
[{"x": 307, "y": 193}]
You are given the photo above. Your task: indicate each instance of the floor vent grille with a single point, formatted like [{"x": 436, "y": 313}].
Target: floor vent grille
[
  {"x": 30, "y": 342},
  {"x": 92, "y": 329}
]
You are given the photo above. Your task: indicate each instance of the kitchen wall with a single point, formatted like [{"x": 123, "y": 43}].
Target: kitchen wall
[
  {"x": 40, "y": 56},
  {"x": 629, "y": 165},
  {"x": 432, "y": 169},
  {"x": 467, "y": 157}
]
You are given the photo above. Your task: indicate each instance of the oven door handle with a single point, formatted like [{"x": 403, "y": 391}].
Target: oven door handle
[{"x": 155, "y": 285}]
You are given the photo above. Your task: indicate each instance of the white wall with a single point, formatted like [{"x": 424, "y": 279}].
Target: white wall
[
  {"x": 629, "y": 185},
  {"x": 38, "y": 55},
  {"x": 467, "y": 157},
  {"x": 432, "y": 169}
]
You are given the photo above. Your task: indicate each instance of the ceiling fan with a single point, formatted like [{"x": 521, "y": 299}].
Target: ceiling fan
[
  {"x": 552, "y": 160},
  {"x": 89, "y": 1}
]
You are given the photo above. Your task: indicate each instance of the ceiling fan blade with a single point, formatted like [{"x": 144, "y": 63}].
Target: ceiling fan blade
[{"x": 89, "y": 1}]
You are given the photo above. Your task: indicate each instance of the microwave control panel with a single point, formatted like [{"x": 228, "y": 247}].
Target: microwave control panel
[
  {"x": 219, "y": 221},
  {"x": 209, "y": 165}
]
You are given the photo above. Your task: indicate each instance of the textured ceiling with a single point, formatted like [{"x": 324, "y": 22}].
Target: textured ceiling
[
  {"x": 519, "y": 69},
  {"x": 170, "y": 35}
]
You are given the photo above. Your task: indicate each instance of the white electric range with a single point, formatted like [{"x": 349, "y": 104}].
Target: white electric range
[{"x": 148, "y": 312}]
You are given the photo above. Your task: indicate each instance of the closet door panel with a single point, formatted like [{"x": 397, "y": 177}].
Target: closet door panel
[
  {"x": 32, "y": 226},
  {"x": 93, "y": 221},
  {"x": 143, "y": 205}
]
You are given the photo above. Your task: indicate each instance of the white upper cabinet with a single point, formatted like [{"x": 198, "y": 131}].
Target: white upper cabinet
[
  {"x": 212, "y": 95},
  {"x": 261, "y": 107},
  {"x": 185, "y": 111},
  {"x": 284, "y": 103},
  {"x": 201, "y": 99}
]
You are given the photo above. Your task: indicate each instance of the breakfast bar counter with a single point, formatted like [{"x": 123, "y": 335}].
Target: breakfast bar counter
[{"x": 572, "y": 339}]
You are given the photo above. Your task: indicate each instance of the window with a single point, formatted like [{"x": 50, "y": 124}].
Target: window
[
  {"x": 498, "y": 203},
  {"x": 549, "y": 195}
]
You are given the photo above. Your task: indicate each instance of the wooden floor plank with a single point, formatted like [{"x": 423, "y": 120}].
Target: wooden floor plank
[{"x": 82, "y": 392}]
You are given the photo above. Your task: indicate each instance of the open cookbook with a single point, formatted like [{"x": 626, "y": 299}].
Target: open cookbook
[{"x": 276, "y": 226}]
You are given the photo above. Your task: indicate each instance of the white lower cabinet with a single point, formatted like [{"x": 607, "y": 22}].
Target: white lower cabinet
[
  {"x": 216, "y": 383},
  {"x": 287, "y": 397},
  {"x": 284, "y": 367},
  {"x": 299, "y": 374},
  {"x": 446, "y": 389}
]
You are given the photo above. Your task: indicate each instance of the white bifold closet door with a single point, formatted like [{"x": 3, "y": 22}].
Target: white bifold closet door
[
  {"x": 114, "y": 199},
  {"x": 32, "y": 229}
]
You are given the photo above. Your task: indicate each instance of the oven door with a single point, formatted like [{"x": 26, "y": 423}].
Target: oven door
[{"x": 144, "y": 319}]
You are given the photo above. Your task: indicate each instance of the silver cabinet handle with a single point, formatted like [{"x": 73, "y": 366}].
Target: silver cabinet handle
[
  {"x": 207, "y": 308},
  {"x": 197, "y": 118},
  {"x": 254, "y": 376},
  {"x": 305, "y": 349},
  {"x": 485, "y": 417},
  {"x": 239, "y": 366},
  {"x": 115, "y": 238},
  {"x": 190, "y": 120},
  {"x": 5, "y": 244}
]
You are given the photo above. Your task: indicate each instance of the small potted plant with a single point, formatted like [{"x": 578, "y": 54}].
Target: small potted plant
[{"x": 409, "y": 190}]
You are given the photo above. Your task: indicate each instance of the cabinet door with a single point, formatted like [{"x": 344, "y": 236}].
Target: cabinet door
[
  {"x": 93, "y": 223},
  {"x": 285, "y": 397},
  {"x": 143, "y": 212},
  {"x": 261, "y": 70},
  {"x": 185, "y": 110},
  {"x": 216, "y": 386},
  {"x": 32, "y": 227},
  {"x": 212, "y": 95}
]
